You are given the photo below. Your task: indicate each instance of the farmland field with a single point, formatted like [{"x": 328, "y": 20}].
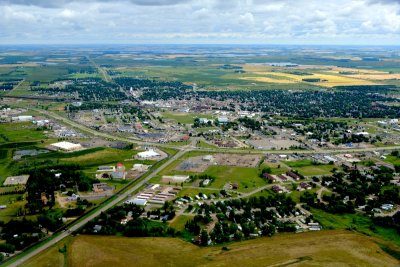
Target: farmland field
[{"x": 326, "y": 248}]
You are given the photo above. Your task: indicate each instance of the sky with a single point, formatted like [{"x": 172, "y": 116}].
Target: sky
[{"x": 359, "y": 22}]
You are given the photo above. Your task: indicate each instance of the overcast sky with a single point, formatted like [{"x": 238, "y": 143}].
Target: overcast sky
[{"x": 200, "y": 21}]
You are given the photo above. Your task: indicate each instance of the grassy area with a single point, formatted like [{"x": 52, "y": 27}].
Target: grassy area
[
  {"x": 20, "y": 132},
  {"x": 203, "y": 144},
  {"x": 191, "y": 192},
  {"x": 247, "y": 178},
  {"x": 308, "y": 168},
  {"x": 185, "y": 118},
  {"x": 307, "y": 249},
  {"x": 13, "y": 203},
  {"x": 179, "y": 222},
  {"x": 358, "y": 222},
  {"x": 393, "y": 159}
]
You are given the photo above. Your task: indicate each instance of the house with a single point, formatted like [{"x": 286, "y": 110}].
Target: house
[
  {"x": 305, "y": 186},
  {"x": 269, "y": 177},
  {"x": 73, "y": 197},
  {"x": 282, "y": 177},
  {"x": 277, "y": 189},
  {"x": 293, "y": 175}
]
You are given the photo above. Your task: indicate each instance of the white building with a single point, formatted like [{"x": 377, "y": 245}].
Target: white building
[
  {"x": 148, "y": 154},
  {"x": 66, "y": 146}
]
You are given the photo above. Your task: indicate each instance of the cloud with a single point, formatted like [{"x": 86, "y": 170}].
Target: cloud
[
  {"x": 62, "y": 3},
  {"x": 213, "y": 21}
]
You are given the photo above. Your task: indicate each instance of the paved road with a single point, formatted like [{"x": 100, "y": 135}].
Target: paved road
[{"x": 84, "y": 220}]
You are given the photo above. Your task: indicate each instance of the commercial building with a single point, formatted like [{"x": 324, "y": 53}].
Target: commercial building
[
  {"x": 66, "y": 146},
  {"x": 148, "y": 154}
]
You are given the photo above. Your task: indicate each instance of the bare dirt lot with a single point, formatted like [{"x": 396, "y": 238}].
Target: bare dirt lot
[{"x": 200, "y": 163}]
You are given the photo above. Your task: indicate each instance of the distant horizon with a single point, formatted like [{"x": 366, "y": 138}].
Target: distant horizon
[{"x": 302, "y": 22}]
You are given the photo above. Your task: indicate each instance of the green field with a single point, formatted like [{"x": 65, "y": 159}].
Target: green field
[
  {"x": 357, "y": 222},
  {"x": 308, "y": 168},
  {"x": 183, "y": 117},
  {"x": 20, "y": 132},
  {"x": 247, "y": 178},
  {"x": 13, "y": 203},
  {"x": 325, "y": 248}
]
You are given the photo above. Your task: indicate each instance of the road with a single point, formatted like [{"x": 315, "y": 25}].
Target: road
[{"x": 84, "y": 220}]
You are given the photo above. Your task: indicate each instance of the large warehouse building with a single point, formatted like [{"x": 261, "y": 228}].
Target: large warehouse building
[{"x": 66, "y": 146}]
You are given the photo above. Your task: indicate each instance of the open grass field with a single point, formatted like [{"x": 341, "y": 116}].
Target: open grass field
[
  {"x": 184, "y": 117},
  {"x": 247, "y": 178},
  {"x": 179, "y": 222},
  {"x": 325, "y": 248},
  {"x": 20, "y": 132},
  {"x": 13, "y": 204},
  {"x": 307, "y": 168},
  {"x": 393, "y": 159},
  {"x": 356, "y": 222}
]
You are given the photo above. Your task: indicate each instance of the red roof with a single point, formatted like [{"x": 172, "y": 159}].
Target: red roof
[{"x": 120, "y": 165}]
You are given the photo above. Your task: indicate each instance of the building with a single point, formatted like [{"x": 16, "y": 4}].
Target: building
[
  {"x": 148, "y": 154},
  {"x": 140, "y": 167},
  {"x": 106, "y": 169},
  {"x": 293, "y": 175},
  {"x": 305, "y": 186},
  {"x": 277, "y": 189},
  {"x": 208, "y": 158},
  {"x": 102, "y": 187},
  {"x": 223, "y": 119},
  {"x": 23, "y": 118},
  {"x": 269, "y": 177},
  {"x": 118, "y": 175},
  {"x": 16, "y": 180},
  {"x": 175, "y": 178},
  {"x": 66, "y": 146},
  {"x": 137, "y": 201}
]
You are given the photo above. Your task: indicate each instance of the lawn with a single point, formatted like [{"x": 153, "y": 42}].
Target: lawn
[{"x": 307, "y": 249}]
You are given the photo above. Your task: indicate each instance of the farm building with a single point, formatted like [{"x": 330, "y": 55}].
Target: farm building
[
  {"x": 16, "y": 180},
  {"x": 175, "y": 178},
  {"x": 148, "y": 154},
  {"x": 117, "y": 175},
  {"x": 66, "y": 146}
]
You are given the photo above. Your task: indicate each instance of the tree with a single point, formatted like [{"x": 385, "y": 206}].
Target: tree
[{"x": 204, "y": 238}]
